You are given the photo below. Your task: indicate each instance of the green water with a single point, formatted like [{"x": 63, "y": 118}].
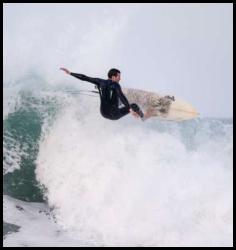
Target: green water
[
  {"x": 25, "y": 127},
  {"x": 9, "y": 228}
]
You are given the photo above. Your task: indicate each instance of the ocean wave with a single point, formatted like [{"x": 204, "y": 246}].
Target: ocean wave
[{"x": 134, "y": 183}]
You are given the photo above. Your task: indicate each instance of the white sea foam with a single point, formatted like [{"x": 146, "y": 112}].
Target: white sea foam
[
  {"x": 123, "y": 183},
  {"x": 37, "y": 226},
  {"x": 130, "y": 183}
]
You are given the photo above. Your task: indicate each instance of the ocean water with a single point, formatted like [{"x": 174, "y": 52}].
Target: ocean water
[{"x": 73, "y": 178}]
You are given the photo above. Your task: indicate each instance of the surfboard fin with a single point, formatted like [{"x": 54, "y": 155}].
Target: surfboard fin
[{"x": 170, "y": 97}]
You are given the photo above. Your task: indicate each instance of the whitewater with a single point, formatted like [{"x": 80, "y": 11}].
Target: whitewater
[
  {"x": 104, "y": 183},
  {"x": 72, "y": 178}
]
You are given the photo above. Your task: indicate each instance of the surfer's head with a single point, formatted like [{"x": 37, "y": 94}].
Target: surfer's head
[{"x": 114, "y": 75}]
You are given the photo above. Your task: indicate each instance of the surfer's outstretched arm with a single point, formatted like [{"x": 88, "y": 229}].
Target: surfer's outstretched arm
[{"x": 82, "y": 77}]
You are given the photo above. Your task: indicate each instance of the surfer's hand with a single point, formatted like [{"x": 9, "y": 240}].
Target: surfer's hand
[{"x": 66, "y": 70}]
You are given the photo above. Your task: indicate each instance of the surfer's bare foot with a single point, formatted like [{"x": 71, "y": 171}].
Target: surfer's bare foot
[
  {"x": 147, "y": 115},
  {"x": 134, "y": 113}
]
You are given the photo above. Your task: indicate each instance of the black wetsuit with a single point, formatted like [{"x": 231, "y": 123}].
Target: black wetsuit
[{"x": 110, "y": 94}]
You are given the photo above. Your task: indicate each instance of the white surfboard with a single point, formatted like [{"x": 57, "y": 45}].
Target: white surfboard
[{"x": 161, "y": 106}]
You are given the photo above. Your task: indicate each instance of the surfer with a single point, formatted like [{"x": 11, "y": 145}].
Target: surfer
[{"x": 110, "y": 94}]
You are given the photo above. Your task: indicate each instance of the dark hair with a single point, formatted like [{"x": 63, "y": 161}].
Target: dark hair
[{"x": 113, "y": 72}]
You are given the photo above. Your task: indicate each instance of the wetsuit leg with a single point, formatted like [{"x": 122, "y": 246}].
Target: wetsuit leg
[{"x": 117, "y": 113}]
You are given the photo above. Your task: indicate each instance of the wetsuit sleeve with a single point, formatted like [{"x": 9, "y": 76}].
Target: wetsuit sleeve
[
  {"x": 121, "y": 96},
  {"x": 82, "y": 77}
]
